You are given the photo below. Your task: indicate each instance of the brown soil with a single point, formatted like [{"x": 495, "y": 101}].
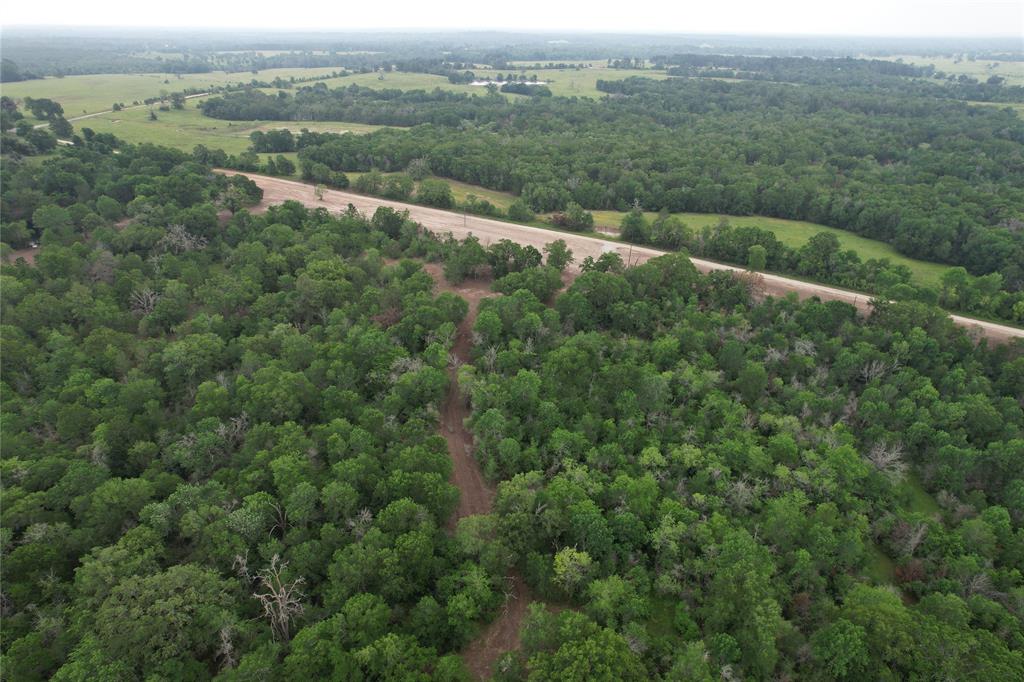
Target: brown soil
[
  {"x": 277, "y": 190},
  {"x": 28, "y": 254},
  {"x": 476, "y": 495},
  {"x": 502, "y": 635}
]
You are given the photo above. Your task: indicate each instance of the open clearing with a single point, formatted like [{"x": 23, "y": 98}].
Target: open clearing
[
  {"x": 565, "y": 82},
  {"x": 185, "y": 128},
  {"x": 796, "y": 233},
  {"x": 89, "y": 94},
  {"x": 981, "y": 69},
  {"x": 792, "y": 233},
  {"x": 278, "y": 190}
]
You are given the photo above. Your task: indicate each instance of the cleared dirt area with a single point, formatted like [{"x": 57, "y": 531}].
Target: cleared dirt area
[
  {"x": 29, "y": 255},
  {"x": 502, "y": 635},
  {"x": 276, "y": 190},
  {"x": 476, "y": 495}
]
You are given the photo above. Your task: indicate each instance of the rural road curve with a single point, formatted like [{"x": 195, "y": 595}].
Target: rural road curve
[{"x": 488, "y": 231}]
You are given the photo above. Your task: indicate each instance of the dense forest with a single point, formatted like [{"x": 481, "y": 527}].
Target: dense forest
[
  {"x": 938, "y": 179},
  {"x": 221, "y": 455}
]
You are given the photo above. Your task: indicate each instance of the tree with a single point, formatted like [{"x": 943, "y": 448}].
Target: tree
[
  {"x": 757, "y": 258},
  {"x": 61, "y": 128},
  {"x": 389, "y": 221},
  {"x": 614, "y": 602},
  {"x": 285, "y": 166},
  {"x": 575, "y": 217},
  {"x": 464, "y": 259},
  {"x": 435, "y": 193},
  {"x": 571, "y": 568},
  {"x": 398, "y": 186},
  {"x": 172, "y": 615},
  {"x": 43, "y": 108},
  {"x": 520, "y": 212},
  {"x": 634, "y": 227},
  {"x": 281, "y": 601},
  {"x": 418, "y": 169},
  {"x": 559, "y": 255},
  {"x": 842, "y": 649}
]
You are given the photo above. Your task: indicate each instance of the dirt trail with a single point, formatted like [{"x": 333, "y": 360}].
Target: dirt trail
[
  {"x": 277, "y": 190},
  {"x": 502, "y": 635},
  {"x": 476, "y": 495}
]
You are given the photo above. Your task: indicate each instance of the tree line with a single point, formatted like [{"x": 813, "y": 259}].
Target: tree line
[{"x": 902, "y": 169}]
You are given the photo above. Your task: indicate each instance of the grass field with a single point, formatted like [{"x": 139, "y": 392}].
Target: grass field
[
  {"x": 981, "y": 69},
  {"x": 565, "y": 82},
  {"x": 796, "y": 233},
  {"x": 89, "y": 94},
  {"x": 792, "y": 233},
  {"x": 185, "y": 128}
]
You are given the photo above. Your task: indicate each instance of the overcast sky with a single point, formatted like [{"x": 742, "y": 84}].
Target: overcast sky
[{"x": 786, "y": 17}]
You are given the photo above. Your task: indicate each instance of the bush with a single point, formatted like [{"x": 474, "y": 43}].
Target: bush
[
  {"x": 520, "y": 212},
  {"x": 397, "y": 186},
  {"x": 435, "y": 193},
  {"x": 369, "y": 183},
  {"x": 575, "y": 217}
]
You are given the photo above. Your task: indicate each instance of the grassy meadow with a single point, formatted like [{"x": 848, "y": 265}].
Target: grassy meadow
[
  {"x": 792, "y": 233},
  {"x": 981, "y": 69},
  {"x": 563, "y": 82},
  {"x": 796, "y": 233},
  {"x": 89, "y": 94},
  {"x": 185, "y": 128}
]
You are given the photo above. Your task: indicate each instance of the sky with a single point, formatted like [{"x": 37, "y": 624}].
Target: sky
[{"x": 918, "y": 18}]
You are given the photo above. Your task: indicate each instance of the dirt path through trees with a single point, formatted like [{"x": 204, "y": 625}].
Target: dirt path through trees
[{"x": 476, "y": 495}]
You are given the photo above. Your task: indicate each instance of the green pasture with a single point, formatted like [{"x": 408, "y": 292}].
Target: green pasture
[
  {"x": 796, "y": 233},
  {"x": 185, "y": 128},
  {"x": 564, "y": 82},
  {"x": 89, "y": 94},
  {"x": 981, "y": 69}
]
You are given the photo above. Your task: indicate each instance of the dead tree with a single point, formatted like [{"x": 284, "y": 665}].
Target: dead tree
[
  {"x": 143, "y": 301},
  {"x": 281, "y": 601},
  {"x": 888, "y": 458}
]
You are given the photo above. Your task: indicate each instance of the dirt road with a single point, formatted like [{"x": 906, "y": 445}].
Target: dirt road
[{"x": 276, "y": 190}]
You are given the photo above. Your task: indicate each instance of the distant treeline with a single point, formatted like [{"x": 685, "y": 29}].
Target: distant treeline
[
  {"x": 353, "y": 103},
  {"x": 846, "y": 72}
]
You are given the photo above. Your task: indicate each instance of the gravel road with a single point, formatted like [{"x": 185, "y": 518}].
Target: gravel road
[{"x": 277, "y": 190}]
